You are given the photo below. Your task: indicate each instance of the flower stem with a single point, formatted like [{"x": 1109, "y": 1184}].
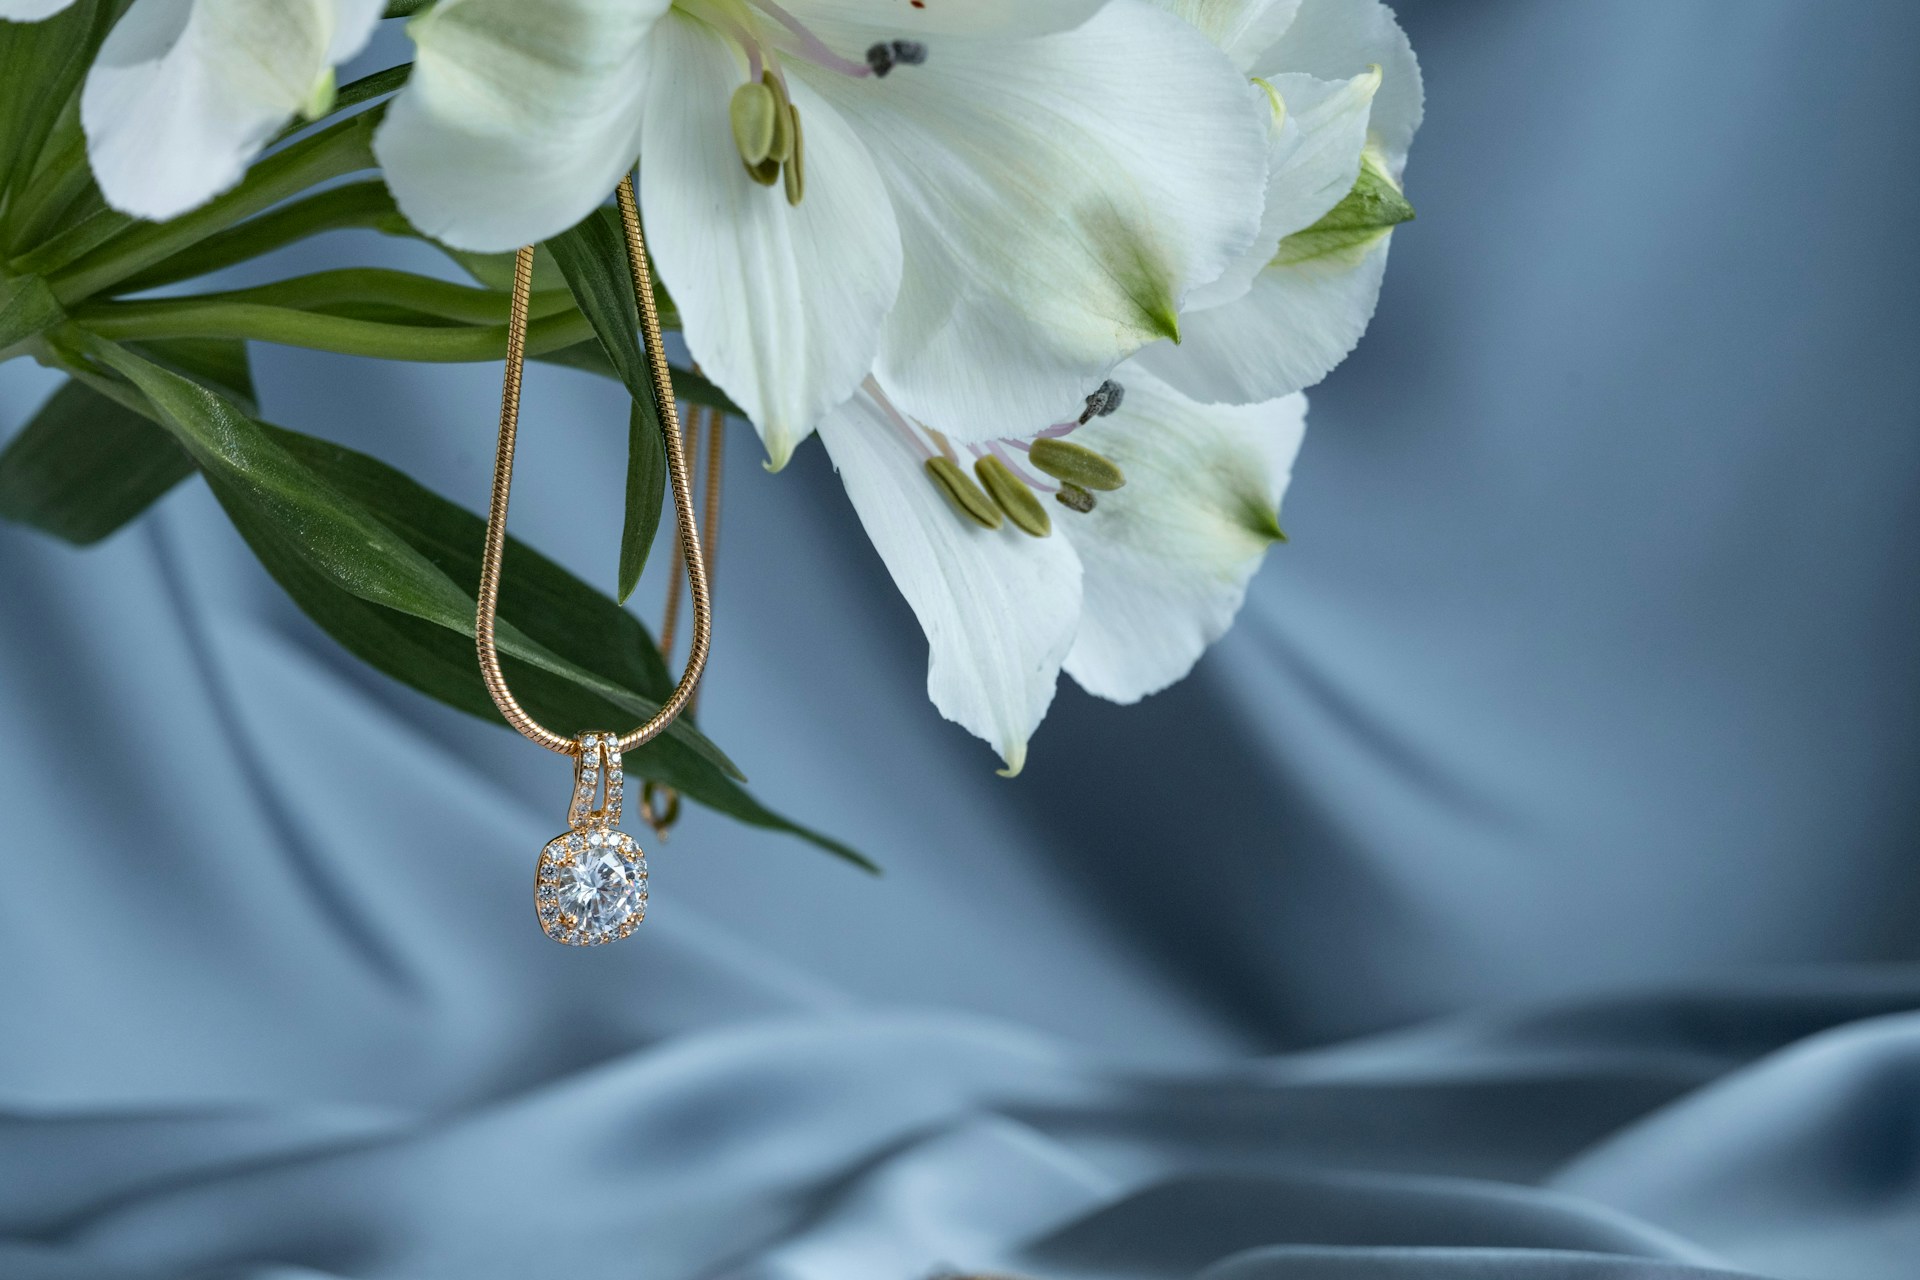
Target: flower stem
[{"x": 288, "y": 326}]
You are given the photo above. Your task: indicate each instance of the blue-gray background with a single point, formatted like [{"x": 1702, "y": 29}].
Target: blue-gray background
[{"x": 1527, "y": 887}]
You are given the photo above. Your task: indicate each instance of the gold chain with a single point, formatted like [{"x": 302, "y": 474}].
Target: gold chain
[{"x": 690, "y": 552}]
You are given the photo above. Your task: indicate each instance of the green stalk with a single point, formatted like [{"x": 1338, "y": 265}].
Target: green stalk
[
  {"x": 442, "y": 299},
  {"x": 196, "y": 318},
  {"x": 352, "y": 204},
  {"x": 337, "y": 150}
]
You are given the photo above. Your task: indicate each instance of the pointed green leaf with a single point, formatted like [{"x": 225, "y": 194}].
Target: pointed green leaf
[
  {"x": 85, "y": 466},
  {"x": 646, "y": 491}
]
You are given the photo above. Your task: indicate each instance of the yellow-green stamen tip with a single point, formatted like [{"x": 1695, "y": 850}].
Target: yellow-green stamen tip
[
  {"x": 1076, "y": 465},
  {"x": 755, "y": 114},
  {"x": 963, "y": 493},
  {"x": 320, "y": 97},
  {"x": 1013, "y": 497}
]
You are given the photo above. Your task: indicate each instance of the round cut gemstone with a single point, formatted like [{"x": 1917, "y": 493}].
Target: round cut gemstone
[{"x": 600, "y": 889}]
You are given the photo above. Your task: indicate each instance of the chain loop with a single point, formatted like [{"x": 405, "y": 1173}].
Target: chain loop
[{"x": 661, "y": 376}]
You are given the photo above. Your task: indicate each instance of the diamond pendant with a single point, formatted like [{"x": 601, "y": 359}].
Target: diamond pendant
[{"x": 591, "y": 886}]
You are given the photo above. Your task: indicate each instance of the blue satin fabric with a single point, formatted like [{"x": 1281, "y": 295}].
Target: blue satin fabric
[{"x": 1524, "y": 891}]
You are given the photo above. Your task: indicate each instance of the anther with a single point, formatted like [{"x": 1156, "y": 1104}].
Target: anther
[
  {"x": 963, "y": 493},
  {"x": 1076, "y": 464},
  {"x": 1104, "y": 400},
  {"x": 780, "y": 146},
  {"x": 1013, "y": 497},
  {"x": 796, "y": 166},
  {"x": 755, "y": 113},
  {"x": 1073, "y": 497}
]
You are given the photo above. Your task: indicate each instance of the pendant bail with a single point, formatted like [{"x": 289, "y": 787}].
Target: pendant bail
[{"x": 597, "y": 774}]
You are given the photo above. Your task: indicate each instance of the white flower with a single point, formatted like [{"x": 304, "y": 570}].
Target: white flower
[
  {"x": 1345, "y": 89},
  {"x": 185, "y": 93},
  {"x": 1027, "y": 197},
  {"x": 1124, "y": 597}
]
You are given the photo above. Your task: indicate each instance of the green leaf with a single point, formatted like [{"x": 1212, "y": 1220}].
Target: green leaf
[
  {"x": 85, "y": 466},
  {"x": 593, "y": 257},
  {"x": 27, "y": 308},
  {"x": 1367, "y": 213},
  {"x": 646, "y": 490}
]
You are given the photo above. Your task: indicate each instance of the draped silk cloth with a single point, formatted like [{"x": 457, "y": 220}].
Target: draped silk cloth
[{"x": 1526, "y": 890}]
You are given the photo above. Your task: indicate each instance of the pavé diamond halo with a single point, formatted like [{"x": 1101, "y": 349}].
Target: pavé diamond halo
[{"x": 591, "y": 884}]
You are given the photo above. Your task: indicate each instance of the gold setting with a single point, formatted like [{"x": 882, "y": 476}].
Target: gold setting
[{"x": 593, "y": 833}]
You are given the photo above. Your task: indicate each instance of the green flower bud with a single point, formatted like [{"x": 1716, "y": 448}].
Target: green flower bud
[
  {"x": 1076, "y": 465},
  {"x": 963, "y": 493},
  {"x": 1013, "y": 497},
  {"x": 755, "y": 113}
]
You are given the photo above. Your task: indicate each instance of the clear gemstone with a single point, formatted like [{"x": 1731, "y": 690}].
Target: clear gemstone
[{"x": 601, "y": 889}]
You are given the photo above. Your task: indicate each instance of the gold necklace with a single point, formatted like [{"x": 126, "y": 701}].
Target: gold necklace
[{"x": 591, "y": 881}]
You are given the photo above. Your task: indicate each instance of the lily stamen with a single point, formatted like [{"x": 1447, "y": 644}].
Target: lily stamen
[{"x": 812, "y": 48}]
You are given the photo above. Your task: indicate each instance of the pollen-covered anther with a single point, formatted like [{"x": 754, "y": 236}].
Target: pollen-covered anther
[
  {"x": 888, "y": 54},
  {"x": 1074, "y": 498},
  {"x": 1106, "y": 398},
  {"x": 1013, "y": 497},
  {"x": 966, "y": 496},
  {"x": 1075, "y": 464}
]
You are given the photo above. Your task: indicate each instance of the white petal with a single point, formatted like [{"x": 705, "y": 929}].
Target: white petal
[
  {"x": 1244, "y": 28},
  {"x": 31, "y": 10},
  {"x": 1336, "y": 39},
  {"x": 782, "y": 304},
  {"x": 1313, "y": 158},
  {"x": 1057, "y": 198},
  {"x": 184, "y": 93},
  {"x": 998, "y": 607},
  {"x": 996, "y": 19},
  {"x": 518, "y": 119},
  {"x": 1167, "y": 559},
  {"x": 1287, "y": 332}
]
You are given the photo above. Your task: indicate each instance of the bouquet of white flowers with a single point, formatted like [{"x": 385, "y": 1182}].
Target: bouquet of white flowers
[{"x": 1046, "y": 276}]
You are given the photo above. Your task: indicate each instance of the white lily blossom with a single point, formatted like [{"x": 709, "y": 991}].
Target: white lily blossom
[
  {"x": 1124, "y": 597},
  {"x": 1346, "y": 98},
  {"x": 986, "y": 206},
  {"x": 185, "y": 93}
]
